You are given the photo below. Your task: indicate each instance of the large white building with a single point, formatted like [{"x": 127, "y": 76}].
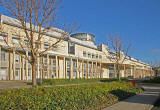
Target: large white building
[{"x": 76, "y": 57}]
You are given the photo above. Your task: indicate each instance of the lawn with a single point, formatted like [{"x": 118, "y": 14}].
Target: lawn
[{"x": 92, "y": 97}]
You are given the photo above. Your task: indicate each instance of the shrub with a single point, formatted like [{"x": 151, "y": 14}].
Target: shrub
[
  {"x": 154, "y": 80},
  {"x": 76, "y": 81},
  {"x": 95, "y": 96}
]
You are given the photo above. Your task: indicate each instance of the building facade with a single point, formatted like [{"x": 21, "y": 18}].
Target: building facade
[{"x": 75, "y": 57}]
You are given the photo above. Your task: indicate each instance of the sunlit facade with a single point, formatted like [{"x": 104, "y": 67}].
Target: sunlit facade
[{"x": 75, "y": 57}]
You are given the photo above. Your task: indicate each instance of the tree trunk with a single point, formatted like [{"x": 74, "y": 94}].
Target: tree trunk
[
  {"x": 34, "y": 74},
  {"x": 118, "y": 72}
]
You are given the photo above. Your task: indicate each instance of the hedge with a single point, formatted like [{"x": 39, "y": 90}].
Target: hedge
[
  {"x": 76, "y": 81},
  {"x": 154, "y": 80},
  {"x": 94, "y": 96}
]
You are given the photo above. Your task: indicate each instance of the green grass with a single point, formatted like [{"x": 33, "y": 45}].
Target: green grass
[
  {"x": 90, "y": 97},
  {"x": 154, "y": 80},
  {"x": 76, "y": 81}
]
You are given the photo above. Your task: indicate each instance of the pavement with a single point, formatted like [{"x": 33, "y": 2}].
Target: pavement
[
  {"x": 14, "y": 84},
  {"x": 143, "y": 101}
]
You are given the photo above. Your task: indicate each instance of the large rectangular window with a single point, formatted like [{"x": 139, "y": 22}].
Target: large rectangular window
[
  {"x": 15, "y": 39},
  {"x": 46, "y": 46},
  {"x": 84, "y": 54},
  {"x": 3, "y": 55},
  {"x": 71, "y": 48},
  {"x": 89, "y": 55},
  {"x": 3, "y": 36}
]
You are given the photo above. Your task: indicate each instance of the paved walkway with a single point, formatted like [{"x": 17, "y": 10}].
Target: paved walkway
[
  {"x": 13, "y": 84},
  {"x": 143, "y": 101}
]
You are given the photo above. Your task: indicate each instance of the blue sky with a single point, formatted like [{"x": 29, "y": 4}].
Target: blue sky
[{"x": 137, "y": 21}]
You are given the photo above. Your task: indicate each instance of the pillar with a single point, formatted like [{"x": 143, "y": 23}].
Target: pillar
[
  {"x": 0, "y": 62},
  {"x": 124, "y": 70},
  {"x": 13, "y": 65},
  {"x": 82, "y": 68},
  {"x": 115, "y": 71},
  {"x": 57, "y": 68},
  {"x": 101, "y": 74},
  {"x": 64, "y": 67},
  {"x": 96, "y": 70},
  {"x": 22, "y": 67},
  {"x": 26, "y": 65},
  {"x": 77, "y": 76},
  {"x": 92, "y": 70},
  {"x": 71, "y": 68},
  {"x": 20, "y": 62},
  {"x": 38, "y": 75},
  {"x": 47, "y": 66},
  {"x": 87, "y": 69},
  {"x": 10, "y": 65}
]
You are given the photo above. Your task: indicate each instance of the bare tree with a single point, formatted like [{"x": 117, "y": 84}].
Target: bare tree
[
  {"x": 118, "y": 53},
  {"x": 36, "y": 18}
]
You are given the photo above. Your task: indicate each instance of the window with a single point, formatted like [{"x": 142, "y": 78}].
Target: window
[
  {"x": 3, "y": 55},
  {"x": 17, "y": 72},
  {"x": 26, "y": 42},
  {"x": 3, "y": 36},
  {"x": 100, "y": 56},
  {"x": 16, "y": 58},
  {"x": 54, "y": 48},
  {"x": 37, "y": 43},
  {"x": 84, "y": 54},
  {"x": 97, "y": 56},
  {"x": 71, "y": 48},
  {"x": 15, "y": 39},
  {"x": 93, "y": 56},
  {"x": 46, "y": 46},
  {"x": 89, "y": 55}
]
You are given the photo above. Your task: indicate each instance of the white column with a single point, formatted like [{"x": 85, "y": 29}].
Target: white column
[
  {"x": 77, "y": 75},
  {"x": 38, "y": 73},
  {"x": 64, "y": 67},
  {"x": 71, "y": 68},
  {"x": 47, "y": 66},
  {"x": 57, "y": 68},
  {"x": 26, "y": 65},
  {"x": 13, "y": 65},
  {"x": 92, "y": 70}
]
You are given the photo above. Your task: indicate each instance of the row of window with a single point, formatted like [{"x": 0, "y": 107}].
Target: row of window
[{"x": 91, "y": 55}]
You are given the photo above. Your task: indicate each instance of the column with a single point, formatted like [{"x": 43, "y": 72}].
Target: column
[
  {"x": 131, "y": 70},
  {"x": 10, "y": 66},
  {"x": 71, "y": 68},
  {"x": 82, "y": 68},
  {"x": 101, "y": 74},
  {"x": 20, "y": 62},
  {"x": 64, "y": 67},
  {"x": 13, "y": 65},
  {"x": 115, "y": 71},
  {"x": 124, "y": 70},
  {"x": 47, "y": 66},
  {"x": 87, "y": 69},
  {"x": 0, "y": 62},
  {"x": 22, "y": 67},
  {"x": 96, "y": 70},
  {"x": 57, "y": 68},
  {"x": 38, "y": 75},
  {"x": 26, "y": 65},
  {"x": 77, "y": 76},
  {"x": 92, "y": 70}
]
